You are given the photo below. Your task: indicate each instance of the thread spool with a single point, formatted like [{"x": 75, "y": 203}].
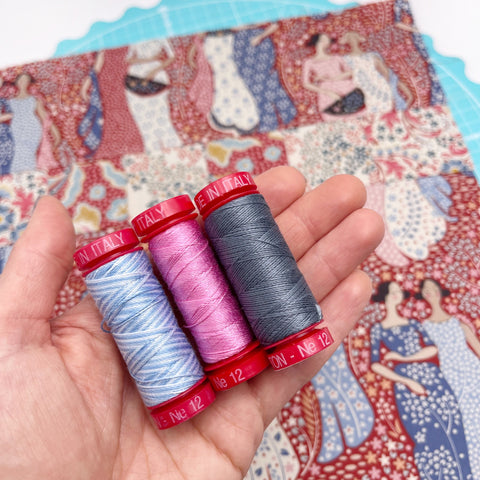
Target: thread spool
[
  {"x": 275, "y": 297},
  {"x": 136, "y": 312},
  {"x": 210, "y": 310}
]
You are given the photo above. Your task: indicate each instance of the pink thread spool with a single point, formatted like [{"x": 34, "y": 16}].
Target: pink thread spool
[
  {"x": 188, "y": 403},
  {"x": 296, "y": 347},
  {"x": 154, "y": 226}
]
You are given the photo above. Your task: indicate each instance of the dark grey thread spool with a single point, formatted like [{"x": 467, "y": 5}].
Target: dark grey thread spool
[
  {"x": 272, "y": 291},
  {"x": 276, "y": 299}
]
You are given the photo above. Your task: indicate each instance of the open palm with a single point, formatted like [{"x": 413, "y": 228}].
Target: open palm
[{"x": 68, "y": 408}]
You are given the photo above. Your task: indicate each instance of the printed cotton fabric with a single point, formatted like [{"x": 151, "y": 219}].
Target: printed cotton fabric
[{"x": 113, "y": 132}]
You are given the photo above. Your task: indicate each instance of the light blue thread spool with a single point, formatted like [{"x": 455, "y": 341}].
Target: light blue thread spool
[{"x": 137, "y": 313}]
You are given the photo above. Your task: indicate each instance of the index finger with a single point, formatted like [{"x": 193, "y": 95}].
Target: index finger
[
  {"x": 281, "y": 186},
  {"x": 312, "y": 215}
]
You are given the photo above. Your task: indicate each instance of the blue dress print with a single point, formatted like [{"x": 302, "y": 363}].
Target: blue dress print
[
  {"x": 27, "y": 133},
  {"x": 433, "y": 422},
  {"x": 6, "y": 140},
  {"x": 256, "y": 66},
  {"x": 347, "y": 416},
  {"x": 461, "y": 368},
  {"x": 91, "y": 126}
]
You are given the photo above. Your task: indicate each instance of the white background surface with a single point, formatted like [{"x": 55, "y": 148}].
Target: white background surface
[{"x": 31, "y": 29}]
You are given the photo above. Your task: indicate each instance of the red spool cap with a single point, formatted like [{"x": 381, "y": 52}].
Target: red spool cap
[
  {"x": 237, "y": 369},
  {"x": 162, "y": 216},
  {"x": 184, "y": 406},
  {"x": 299, "y": 347},
  {"x": 224, "y": 190},
  {"x": 105, "y": 249}
]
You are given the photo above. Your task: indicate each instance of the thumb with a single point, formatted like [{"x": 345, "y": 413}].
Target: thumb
[{"x": 34, "y": 274}]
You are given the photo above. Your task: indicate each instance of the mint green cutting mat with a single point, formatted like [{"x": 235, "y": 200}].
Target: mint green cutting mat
[{"x": 182, "y": 17}]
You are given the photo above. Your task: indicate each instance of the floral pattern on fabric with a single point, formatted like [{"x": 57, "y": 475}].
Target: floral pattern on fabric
[
  {"x": 18, "y": 195},
  {"x": 461, "y": 368},
  {"x": 275, "y": 457},
  {"x": 254, "y": 154},
  {"x": 347, "y": 416},
  {"x": 157, "y": 177},
  {"x": 95, "y": 196}
]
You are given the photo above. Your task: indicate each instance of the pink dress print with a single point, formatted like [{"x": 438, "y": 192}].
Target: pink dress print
[
  {"x": 45, "y": 157},
  {"x": 201, "y": 90},
  {"x": 120, "y": 132},
  {"x": 323, "y": 72}
]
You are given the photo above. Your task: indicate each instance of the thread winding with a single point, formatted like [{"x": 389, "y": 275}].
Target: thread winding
[
  {"x": 263, "y": 272},
  {"x": 201, "y": 292},
  {"x": 136, "y": 311}
]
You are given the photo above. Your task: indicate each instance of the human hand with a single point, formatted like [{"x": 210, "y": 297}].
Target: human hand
[{"x": 69, "y": 409}]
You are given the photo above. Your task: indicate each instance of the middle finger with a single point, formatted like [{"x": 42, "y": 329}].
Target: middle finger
[{"x": 317, "y": 212}]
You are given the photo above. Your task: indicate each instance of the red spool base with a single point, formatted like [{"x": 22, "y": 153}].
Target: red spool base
[
  {"x": 237, "y": 369},
  {"x": 299, "y": 347},
  {"x": 184, "y": 406}
]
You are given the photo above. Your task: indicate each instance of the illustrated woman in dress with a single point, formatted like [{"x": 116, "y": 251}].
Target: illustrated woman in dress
[
  {"x": 201, "y": 89},
  {"x": 347, "y": 416},
  {"x": 28, "y": 120},
  {"x": 382, "y": 88},
  {"x": 6, "y": 138},
  {"x": 147, "y": 86},
  {"x": 426, "y": 404},
  {"x": 412, "y": 214},
  {"x": 331, "y": 79},
  {"x": 234, "y": 106},
  {"x": 459, "y": 354},
  {"x": 108, "y": 130},
  {"x": 255, "y": 56},
  {"x": 91, "y": 126}
]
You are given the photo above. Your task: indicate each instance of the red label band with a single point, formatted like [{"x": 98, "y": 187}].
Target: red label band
[
  {"x": 162, "y": 216},
  {"x": 223, "y": 190},
  {"x": 100, "y": 250},
  {"x": 184, "y": 407},
  {"x": 240, "y": 369},
  {"x": 297, "y": 350}
]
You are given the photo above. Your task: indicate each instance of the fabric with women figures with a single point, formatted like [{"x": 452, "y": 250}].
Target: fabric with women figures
[
  {"x": 453, "y": 263},
  {"x": 432, "y": 418},
  {"x": 461, "y": 368},
  {"x": 114, "y": 132}
]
